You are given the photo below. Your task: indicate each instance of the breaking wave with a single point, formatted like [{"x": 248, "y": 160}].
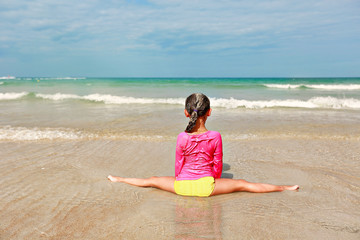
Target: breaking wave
[
  {"x": 12, "y": 96},
  {"x": 230, "y": 103},
  {"x": 315, "y": 102},
  {"x": 29, "y": 134},
  {"x": 316, "y": 86},
  {"x": 10, "y": 133},
  {"x": 111, "y": 99}
]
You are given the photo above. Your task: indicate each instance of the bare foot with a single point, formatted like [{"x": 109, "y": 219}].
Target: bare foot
[
  {"x": 291, "y": 188},
  {"x": 114, "y": 179}
]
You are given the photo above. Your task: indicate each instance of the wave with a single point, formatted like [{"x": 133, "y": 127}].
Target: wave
[
  {"x": 8, "y": 77},
  {"x": 12, "y": 96},
  {"x": 316, "y": 102},
  {"x": 316, "y": 86},
  {"x": 57, "y": 96},
  {"x": 21, "y": 134},
  {"x": 111, "y": 99},
  {"x": 52, "y": 78},
  {"x": 9, "y": 133},
  {"x": 229, "y": 103},
  {"x": 30, "y": 134},
  {"x": 283, "y": 86}
]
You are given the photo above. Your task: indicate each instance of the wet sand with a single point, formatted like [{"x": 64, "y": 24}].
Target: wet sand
[{"x": 58, "y": 190}]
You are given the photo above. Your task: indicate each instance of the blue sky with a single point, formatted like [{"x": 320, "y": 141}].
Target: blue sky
[{"x": 180, "y": 38}]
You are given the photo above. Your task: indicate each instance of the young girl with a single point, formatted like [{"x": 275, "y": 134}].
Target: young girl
[{"x": 198, "y": 161}]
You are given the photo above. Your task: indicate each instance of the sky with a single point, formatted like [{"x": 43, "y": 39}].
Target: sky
[{"x": 180, "y": 38}]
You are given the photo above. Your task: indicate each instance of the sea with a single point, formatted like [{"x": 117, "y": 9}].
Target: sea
[
  {"x": 33, "y": 108},
  {"x": 61, "y": 137}
]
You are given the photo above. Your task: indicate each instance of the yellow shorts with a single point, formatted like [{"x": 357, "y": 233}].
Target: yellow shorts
[{"x": 202, "y": 187}]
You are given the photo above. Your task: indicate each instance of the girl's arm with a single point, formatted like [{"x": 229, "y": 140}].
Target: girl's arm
[
  {"x": 179, "y": 156},
  {"x": 218, "y": 158}
]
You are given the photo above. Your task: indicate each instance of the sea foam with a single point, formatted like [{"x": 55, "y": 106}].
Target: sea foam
[
  {"x": 58, "y": 96},
  {"x": 8, "y": 77},
  {"x": 111, "y": 99},
  {"x": 29, "y": 134},
  {"x": 335, "y": 87},
  {"x": 12, "y": 96},
  {"x": 316, "y": 102},
  {"x": 9, "y": 133},
  {"x": 229, "y": 103},
  {"x": 55, "y": 78},
  {"x": 316, "y": 86},
  {"x": 335, "y": 103},
  {"x": 283, "y": 86}
]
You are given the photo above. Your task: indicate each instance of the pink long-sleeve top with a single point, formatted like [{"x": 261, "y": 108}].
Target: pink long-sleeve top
[{"x": 198, "y": 156}]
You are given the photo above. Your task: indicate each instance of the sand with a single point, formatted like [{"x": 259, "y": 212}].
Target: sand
[
  {"x": 51, "y": 191},
  {"x": 57, "y": 189}
]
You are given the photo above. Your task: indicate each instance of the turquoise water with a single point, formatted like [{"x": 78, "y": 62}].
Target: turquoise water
[
  {"x": 339, "y": 93},
  {"x": 65, "y": 108}
]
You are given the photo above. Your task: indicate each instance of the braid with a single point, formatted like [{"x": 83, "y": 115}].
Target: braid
[
  {"x": 192, "y": 122},
  {"x": 197, "y": 105}
]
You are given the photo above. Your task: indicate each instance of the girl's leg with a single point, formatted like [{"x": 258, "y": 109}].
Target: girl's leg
[
  {"x": 223, "y": 185},
  {"x": 163, "y": 183}
]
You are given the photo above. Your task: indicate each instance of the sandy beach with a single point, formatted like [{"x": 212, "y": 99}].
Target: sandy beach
[{"x": 57, "y": 189}]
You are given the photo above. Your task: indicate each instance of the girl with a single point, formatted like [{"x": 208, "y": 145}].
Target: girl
[{"x": 198, "y": 161}]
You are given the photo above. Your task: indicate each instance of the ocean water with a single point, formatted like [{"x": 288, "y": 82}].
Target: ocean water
[
  {"x": 152, "y": 90},
  {"x": 63, "y": 108}
]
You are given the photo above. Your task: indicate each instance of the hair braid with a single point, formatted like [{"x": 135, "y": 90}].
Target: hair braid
[{"x": 192, "y": 122}]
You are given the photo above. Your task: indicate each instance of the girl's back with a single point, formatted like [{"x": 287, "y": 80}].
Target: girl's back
[{"x": 198, "y": 155}]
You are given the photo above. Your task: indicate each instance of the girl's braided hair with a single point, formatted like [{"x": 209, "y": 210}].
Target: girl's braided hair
[{"x": 197, "y": 105}]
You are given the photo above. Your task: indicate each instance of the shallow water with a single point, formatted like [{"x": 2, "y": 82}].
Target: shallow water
[{"x": 57, "y": 189}]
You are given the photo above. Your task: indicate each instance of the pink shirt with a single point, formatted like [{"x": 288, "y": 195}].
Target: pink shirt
[{"x": 198, "y": 156}]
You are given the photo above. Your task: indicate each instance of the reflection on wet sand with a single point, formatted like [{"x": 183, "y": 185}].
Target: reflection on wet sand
[{"x": 197, "y": 218}]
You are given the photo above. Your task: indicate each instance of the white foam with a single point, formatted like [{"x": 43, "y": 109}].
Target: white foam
[
  {"x": 58, "y": 96},
  {"x": 234, "y": 103},
  {"x": 60, "y": 78},
  {"x": 330, "y": 87},
  {"x": 8, "y": 77},
  {"x": 30, "y": 134},
  {"x": 335, "y": 87},
  {"x": 12, "y": 96},
  {"x": 335, "y": 103},
  {"x": 282, "y": 86},
  {"x": 1, "y": 83},
  {"x": 9, "y": 133},
  {"x": 316, "y": 102},
  {"x": 110, "y": 99},
  {"x": 70, "y": 78}
]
